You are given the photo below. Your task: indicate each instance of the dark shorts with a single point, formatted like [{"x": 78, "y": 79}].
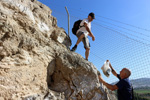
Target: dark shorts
[{"x": 85, "y": 40}]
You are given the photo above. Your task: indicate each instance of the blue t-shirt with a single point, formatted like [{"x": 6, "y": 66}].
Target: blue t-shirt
[{"x": 124, "y": 89}]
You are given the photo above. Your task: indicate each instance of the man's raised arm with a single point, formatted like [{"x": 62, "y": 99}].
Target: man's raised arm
[{"x": 113, "y": 71}]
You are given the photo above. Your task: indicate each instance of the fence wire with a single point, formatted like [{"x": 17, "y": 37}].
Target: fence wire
[{"x": 124, "y": 47}]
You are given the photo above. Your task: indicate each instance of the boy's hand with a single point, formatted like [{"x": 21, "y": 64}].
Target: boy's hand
[{"x": 93, "y": 38}]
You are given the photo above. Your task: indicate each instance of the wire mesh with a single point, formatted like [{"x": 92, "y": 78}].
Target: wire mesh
[{"x": 124, "y": 47}]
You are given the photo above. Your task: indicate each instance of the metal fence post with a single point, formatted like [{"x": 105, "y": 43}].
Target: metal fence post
[{"x": 68, "y": 21}]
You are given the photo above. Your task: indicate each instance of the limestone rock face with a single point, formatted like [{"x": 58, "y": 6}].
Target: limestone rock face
[
  {"x": 76, "y": 77},
  {"x": 35, "y": 63}
]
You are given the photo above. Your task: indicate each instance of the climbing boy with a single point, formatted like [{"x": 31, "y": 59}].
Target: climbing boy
[{"x": 83, "y": 32}]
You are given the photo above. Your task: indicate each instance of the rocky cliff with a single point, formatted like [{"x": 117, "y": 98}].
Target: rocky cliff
[{"x": 35, "y": 63}]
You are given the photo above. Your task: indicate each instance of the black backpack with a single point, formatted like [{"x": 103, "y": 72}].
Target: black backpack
[{"x": 76, "y": 26}]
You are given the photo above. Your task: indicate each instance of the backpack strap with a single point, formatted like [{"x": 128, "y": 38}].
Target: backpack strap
[
  {"x": 81, "y": 26},
  {"x": 132, "y": 92}
]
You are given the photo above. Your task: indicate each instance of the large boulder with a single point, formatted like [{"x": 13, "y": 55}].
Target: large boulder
[{"x": 76, "y": 77}]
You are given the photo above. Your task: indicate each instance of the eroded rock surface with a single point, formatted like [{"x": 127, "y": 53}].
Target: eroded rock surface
[{"x": 35, "y": 63}]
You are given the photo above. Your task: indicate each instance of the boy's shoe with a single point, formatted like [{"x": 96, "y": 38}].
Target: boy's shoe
[
  {"x": 74, "y": 48},
  {"x": 86, "y": 59}
]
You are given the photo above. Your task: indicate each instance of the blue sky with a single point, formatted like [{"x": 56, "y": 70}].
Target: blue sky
[{"x": 121, "y": 29}]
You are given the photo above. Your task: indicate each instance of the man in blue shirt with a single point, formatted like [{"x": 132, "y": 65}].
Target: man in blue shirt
[{"x": 123, "y": 87}]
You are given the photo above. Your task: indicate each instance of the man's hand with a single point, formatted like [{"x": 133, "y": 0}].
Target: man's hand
[
  {"x": 100, "y": 78},
  {"x": 113, "y": 71},
  {"x": 109, "y": 86},
  {"x": 107, "y": 60},
  {"x": 109, "y": 64}
]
